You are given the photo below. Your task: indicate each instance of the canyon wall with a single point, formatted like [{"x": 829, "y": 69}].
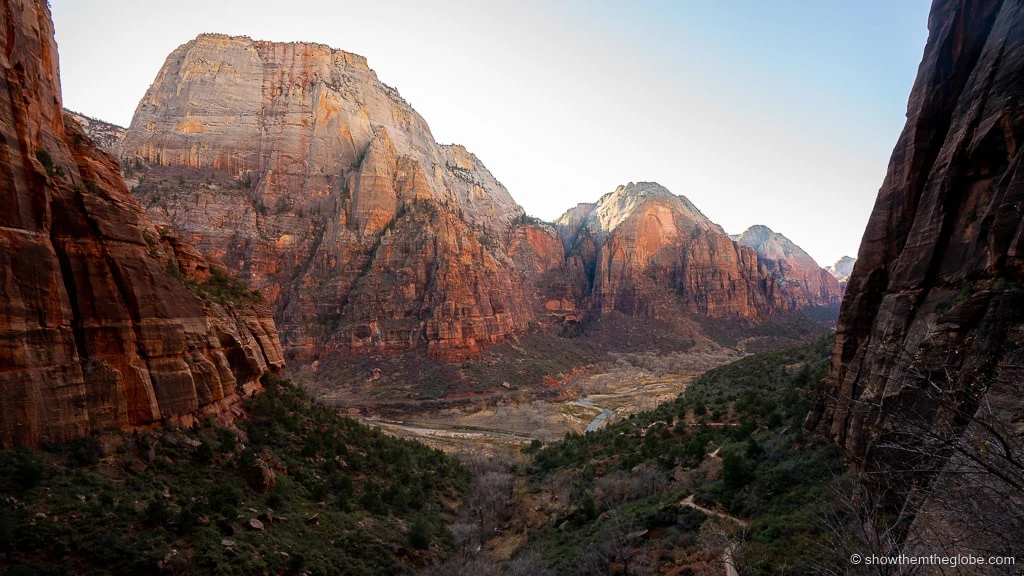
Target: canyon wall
[
  {"x": 319, "y": 185},
  {"x": 98, "y": 328},
  {"x": 926, "y": 385},
  {"x": 650, "y": 253},
  {"x": 106, "y": 136}
]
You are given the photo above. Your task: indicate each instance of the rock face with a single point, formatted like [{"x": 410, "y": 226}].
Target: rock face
[
  {"x": 322, "y": 187},
  {"x": 98, "y": 329},
  {"x": 928, "y": 363},
  {"x": 106, "y": 136},
  {"x": 317, "y": 184},
  {"x": 554, "y": 286},
  {"x": 799, "y": 277},
  {"x": 647, "y": 252},
  {"x": 842, "y": 269}
]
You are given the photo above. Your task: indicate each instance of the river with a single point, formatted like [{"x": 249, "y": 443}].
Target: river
[{"x": 604, "y": 415}]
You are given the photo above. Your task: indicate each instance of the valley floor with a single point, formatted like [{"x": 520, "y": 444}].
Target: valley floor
[{"x": 507, "y": 419}]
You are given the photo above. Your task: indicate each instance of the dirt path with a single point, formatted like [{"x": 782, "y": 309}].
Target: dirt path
[
  {"x": 688, "y": 501},
  {"x": 730, "y": 566},
  {"x": 730, "y": 550}
]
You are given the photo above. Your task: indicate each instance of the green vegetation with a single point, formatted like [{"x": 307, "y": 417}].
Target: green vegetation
[
  {"x": 967, "y": 289},
  {"x": 131, "y": 166},
  {"x": 47, "y": 161},
  {"x": 225, "y": 289},
  {"x": 296, "y": 489},
  {"x": 733, "y": 443},
  {"x": 527, "y": 220},
  {"x": 219, "y": 287}
]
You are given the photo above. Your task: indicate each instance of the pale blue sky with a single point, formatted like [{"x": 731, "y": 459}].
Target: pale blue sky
[{"x": 780, "y": 113}]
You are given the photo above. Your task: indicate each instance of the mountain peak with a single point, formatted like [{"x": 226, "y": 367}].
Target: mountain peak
[
  {"x": 770, "y": 243},
  {"x": 617, "y": 206},
  {"x": 790, "y": 264},
  {"x": 330, "y": 160},
  {"x": 642, "y": 189},
  {"x": 842, "y": 268}
]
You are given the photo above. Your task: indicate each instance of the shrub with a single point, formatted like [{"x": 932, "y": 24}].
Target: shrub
[
  {"x": 223, "y": 499},
  {"x": 156, "y": 513},
  {"x": 25, "y": 469},
  {"x": 419, "y": 533},
  {"x": 84, "y": 452},
  {"x": 46, "y": 160}
]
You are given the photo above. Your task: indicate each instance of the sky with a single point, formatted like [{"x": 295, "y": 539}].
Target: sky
[{"x": 781, "y": 113}]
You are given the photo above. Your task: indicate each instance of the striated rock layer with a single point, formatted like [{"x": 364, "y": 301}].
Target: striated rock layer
[
  {"x": 322, "y": 187},
  {"x": 650, "y": 253},
  {"x": 317, "y": 184},
  {"x": 928, "y": 358},
  {"x": 803, "y": 282},
  {"x": 96, "y": 333}
]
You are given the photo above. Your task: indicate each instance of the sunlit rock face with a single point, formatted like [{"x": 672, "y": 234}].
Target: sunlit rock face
[
  {"x": 842, "y": 269},
  {"x": 648, "y": 252},
  {"x": 105, "y": 136},
  {"x": 318, "y": 184},
  {"x": 800, "y": 279},
  {"x": 98, "y": 330}
]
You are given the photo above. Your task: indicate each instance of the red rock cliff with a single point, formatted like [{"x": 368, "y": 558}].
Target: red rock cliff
[
  {"x": 650, "y": 253},
  {"x": 95, "y": 333},
  {"x": 802, "y": 282},
  {"x": 928, "y": 358},
  {"x": 320, "y": 185}
]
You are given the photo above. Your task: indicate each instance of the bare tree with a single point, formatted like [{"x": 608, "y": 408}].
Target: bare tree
[
  {"x": 946, "y": 476},
  {"x": 621, "y": 549},
  {"x": 529, "y": 564},
  {"x": 724, "y": 537}
]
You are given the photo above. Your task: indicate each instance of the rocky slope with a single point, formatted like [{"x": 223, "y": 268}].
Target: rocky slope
[
  {"x": 321, "y": 186},
  {"x": 106, "y": 136},
  {"x": 647, "y": 252},
  {"x": 803, "y": 282},
  {"x": 927, "y": 369},
  {"x": 98, "y": 329}
]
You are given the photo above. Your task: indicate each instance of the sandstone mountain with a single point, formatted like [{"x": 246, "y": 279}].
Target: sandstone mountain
[
  {"x": 99, "y": 329},
  {"x": 799, "y": 277},
  {"x": 842, "y": 269},
  {"x": 647, "y": 252},
  {"x": 320, "y": 186},
  {"x": 924, "y": 387}
]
